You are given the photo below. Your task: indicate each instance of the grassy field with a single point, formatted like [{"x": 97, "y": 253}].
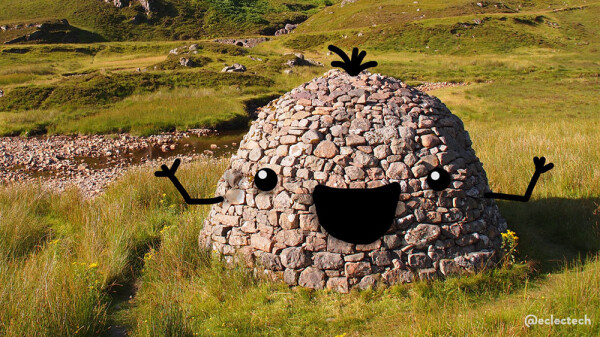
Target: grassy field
[{"x": 531, "y": 69}]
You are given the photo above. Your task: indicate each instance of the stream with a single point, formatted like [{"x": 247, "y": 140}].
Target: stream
[{"x": 91, "y": 162}]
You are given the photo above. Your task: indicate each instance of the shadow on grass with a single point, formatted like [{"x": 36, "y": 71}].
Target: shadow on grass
[{"x": 554, "y": 231}]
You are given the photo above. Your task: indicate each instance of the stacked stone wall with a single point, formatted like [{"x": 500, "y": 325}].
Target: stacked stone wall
[{"x": 355, "y": 132}]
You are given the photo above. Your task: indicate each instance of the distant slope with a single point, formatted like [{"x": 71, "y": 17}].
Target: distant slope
[
  {"x": 368, "y": 13},
  {"x": 170, "y": 20},
  {"x": 450, "y": 27}
]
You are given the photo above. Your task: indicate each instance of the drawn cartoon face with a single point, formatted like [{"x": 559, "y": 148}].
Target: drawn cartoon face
[{"x": 346, "y": 179}]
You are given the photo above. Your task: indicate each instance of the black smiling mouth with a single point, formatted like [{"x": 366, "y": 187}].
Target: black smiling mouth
[{"x": 356, "y": 215}]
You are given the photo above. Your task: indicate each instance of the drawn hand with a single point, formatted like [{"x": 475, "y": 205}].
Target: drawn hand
[
  {"x": 539, "y": 165},
  {"x": 352, "y": 66},
  {"x": 166, "y": 172}
]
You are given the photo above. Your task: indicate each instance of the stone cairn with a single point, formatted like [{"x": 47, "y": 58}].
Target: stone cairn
[{"x": 355, "y": 132}]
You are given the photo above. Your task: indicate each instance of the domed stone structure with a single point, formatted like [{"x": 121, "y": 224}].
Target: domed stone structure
[{"x": 324, "y": 159}]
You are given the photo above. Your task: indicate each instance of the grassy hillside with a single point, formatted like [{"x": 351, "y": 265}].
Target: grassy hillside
[
  {"x": 171, "y": 19},
  {"x": 97, "y": 89},
  {"x": 451, "y": 27},
  {"x": 47, "y": 87},
  {"x": 367, "y": 13}
]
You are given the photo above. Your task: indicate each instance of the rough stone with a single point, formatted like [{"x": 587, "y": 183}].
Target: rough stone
[
  {"x": 261, "y": 242},
  {"x": 430, "y": 141},
  {"x": 339, "y": 284},
  {"x": 357, "y": 269},
  {"x": 271, "y": 261},
  {"x": 422, "y": 235},
  {"x": 312, "y": 278},
  {"x": 325, "y": 260},
  {"x": 419, "y": 260},
  {"x": 396, "y": 276},
  {"x": 294, "y": 257},
  {"x": 290, "y": 276},
  {"x": 326, "y": 149},
  {"x": 369, "y": 281},
  {"x": 398, "y": 170},
  {"x": 338, "y": 246}
]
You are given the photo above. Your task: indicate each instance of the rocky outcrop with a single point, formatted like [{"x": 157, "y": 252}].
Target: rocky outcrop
[
  {"x": 286, "y": 30},
  {"x": 355, "y": 132},
  {"x": 186, "y": 62},
  {"x": 234, "y": 68},
  {"x": 148, "y": 5},
  {"x": 300, "y": 60},
  {"x": 45, "y": 32}
]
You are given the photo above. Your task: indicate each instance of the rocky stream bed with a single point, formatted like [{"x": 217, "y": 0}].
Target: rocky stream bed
[{"x": 91, "y": 162}]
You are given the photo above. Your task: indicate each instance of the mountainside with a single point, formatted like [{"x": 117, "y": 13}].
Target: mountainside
[
  {"x": 456, "y": 27},
  {"x": 451, "y": 27},
  {"x": 119, "y": 20}
]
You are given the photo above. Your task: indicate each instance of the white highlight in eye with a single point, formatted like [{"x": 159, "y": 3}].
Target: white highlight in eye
[
  {"x": 262, "y": 174},
  {"x": 435, "y": 175}
]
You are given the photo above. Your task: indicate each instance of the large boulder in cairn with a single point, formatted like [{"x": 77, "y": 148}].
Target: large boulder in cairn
[{"x": 367, "y": 132}]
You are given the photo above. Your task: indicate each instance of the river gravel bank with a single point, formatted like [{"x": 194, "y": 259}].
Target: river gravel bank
[{"x": 91, "y": 162}]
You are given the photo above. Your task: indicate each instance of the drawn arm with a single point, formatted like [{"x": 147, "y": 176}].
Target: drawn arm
[
  {"x": 170, "y": 173},
  {"x": 539, "y": 169}
]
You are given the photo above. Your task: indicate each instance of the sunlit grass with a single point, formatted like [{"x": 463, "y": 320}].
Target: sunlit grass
[
  {"x": 180, "y": 109},
  {"x": 62, "y": 256},
  {"x": 26, "y": 123}
]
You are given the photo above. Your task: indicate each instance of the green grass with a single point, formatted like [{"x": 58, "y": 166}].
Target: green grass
[
  {"x": 455, "y": 28},
  {"x": 63, "y": 256},
  {"x": 364, "y": 14},
  {"x": 59, "y": 273},
  {"x": 125, "y": 102},
  {"x": 70, "y": 83},
  {"x": 164, "y": 110},
  {"x": 186, "y": 291},
  {"x": 509, "y": 46},
  {"x": 171, "y": 20}
]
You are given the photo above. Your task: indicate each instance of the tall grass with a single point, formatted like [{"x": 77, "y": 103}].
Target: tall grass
[
  {"x": 186, "y": 292},
  {"x": 510, "y": 123},
  {"x": 63, "y": 256}
]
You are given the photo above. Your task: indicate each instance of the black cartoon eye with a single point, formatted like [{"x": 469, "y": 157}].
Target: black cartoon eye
[
  {"x": 265, "y": 179},
  {"x": 438, "y": 179}
]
